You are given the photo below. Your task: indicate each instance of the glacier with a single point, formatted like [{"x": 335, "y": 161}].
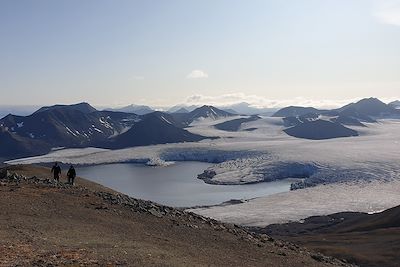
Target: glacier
[{"x": 342, "y": 174}]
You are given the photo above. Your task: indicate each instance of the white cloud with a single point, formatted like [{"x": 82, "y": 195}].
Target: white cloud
[
  {"x": 197, "y": 74},
  {"x": 388, "y": 11},
  {"x": 262, "y": 102}
]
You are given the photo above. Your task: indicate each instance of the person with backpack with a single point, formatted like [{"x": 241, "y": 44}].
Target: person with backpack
[
  {"x": 71, "y": 174},
  {"x": 56, "y": 170}
]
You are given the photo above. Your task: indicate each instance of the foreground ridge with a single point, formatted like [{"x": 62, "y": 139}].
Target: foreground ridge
[{"x": 47, "y": 223}]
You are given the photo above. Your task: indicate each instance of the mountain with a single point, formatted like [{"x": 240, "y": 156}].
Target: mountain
[
  {"x": 320, "y": 129},
  {"x": 234, "y": 125},
  {"x": 154, "y": 128},
  {"x": 174, "y": 109},
  {"x": 79, "y": 126},
  {"x": 230, "y": 110},
  {"x": 207, "y": 112},
  {"x": 348, "y": 120},
  {"x": 181, "y": 110},
  {"x": 295, "y": 120},
  {"x": 353, "y": 114},
  {"x": 61, "y": 126},
  {"x": 293, "y": 111},
  {"x": 367, "y": 107},
  {"x": 395, "y": 104},
  {"x": 64, "y": 127},
  {"x": 82, "y": 107},
  {"x": 17, "y": 110},
  {"x": 12, "y": 145},
  {"x": 242, "y": 108},
  {"x": 136, "y": 109}
]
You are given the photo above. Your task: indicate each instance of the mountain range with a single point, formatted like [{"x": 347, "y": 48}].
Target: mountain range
[
  {"x": 312, "y": 123},
  {"x": 242, "y": 108},
  {"x": 81, "y": 125}
]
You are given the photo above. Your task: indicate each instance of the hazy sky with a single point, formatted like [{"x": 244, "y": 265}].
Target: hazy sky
[{"x": 167, "y": 52}]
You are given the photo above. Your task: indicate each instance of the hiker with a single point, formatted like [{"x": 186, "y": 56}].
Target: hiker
[
  {"x": 56, "y": 170},
  {"x": 71, "y": 175}
]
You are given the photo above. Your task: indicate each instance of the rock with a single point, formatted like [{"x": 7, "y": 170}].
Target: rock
[
  {"x": 207, "y": 175},
  {"x": 155, "y": 213},
  {"x": 3, "y": 173}
]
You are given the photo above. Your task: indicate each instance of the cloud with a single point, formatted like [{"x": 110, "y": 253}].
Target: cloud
[
  {"x": 197, "y": 74},
  {"x": 138, "y": 78},
  {"x": 263, "y": 102},
  {"x": 388, "y": 11}
]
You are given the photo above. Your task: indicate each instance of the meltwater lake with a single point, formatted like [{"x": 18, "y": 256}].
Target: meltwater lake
[{"x": 175, "y": 185}]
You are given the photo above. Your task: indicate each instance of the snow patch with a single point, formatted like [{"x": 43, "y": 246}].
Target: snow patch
[
  {"x": 70, "y": 131},
  {"x": 164, "y": 119}
]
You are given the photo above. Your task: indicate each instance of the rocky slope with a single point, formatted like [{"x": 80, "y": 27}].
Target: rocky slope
[
  {"x": 363, "y": 239},
  {"x": 54, "y": 224}
]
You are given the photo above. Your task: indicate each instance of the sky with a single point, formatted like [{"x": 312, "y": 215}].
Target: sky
[{"x": 167, "y": 52}]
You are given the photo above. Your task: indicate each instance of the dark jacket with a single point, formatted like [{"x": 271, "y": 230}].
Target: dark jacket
[
  {"x": 71, "y": 173},
  {"x": 56, "y": 170}
]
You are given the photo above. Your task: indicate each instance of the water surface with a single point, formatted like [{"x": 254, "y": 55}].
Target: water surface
[{"x": 176, "y": 185}]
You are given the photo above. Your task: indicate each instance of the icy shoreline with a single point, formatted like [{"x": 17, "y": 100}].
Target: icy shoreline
[{"x": 367, "y": 197}]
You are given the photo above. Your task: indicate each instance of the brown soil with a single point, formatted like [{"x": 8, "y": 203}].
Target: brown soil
[
  {"x": 362, "y": 239},
  {"x": 44, "y": 224}
]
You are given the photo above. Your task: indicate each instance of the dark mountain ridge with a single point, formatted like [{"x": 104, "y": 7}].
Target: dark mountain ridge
[
  {"x": 81, "y": 125},
  {"x": 154, "y": 128},
  {"x": 82, "y": 107},
  {"x": 366, "y": 110},
  {"x": 306, "y": 125},
  {"x": 294, "y": 111}
]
